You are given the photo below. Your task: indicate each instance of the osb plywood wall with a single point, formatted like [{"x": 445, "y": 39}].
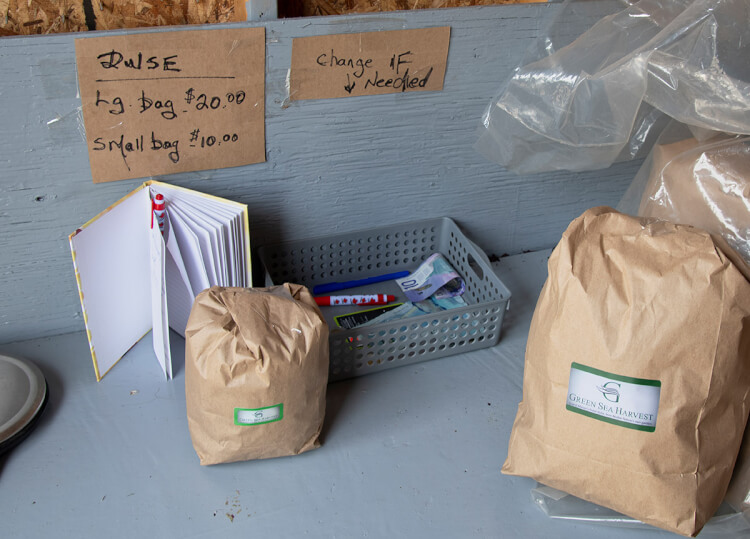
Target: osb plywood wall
[
  {"x": 31, "y": 17},
  {"x": 24, "y": 17},
  {"x": 308, "y": 8}
]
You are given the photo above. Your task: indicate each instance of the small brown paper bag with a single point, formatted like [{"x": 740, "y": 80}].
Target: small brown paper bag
[
  {"x": 637, "y": 372},
  {"x": 256, "y": 371}
]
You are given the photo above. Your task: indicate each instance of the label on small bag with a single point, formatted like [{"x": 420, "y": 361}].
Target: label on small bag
[
  {"x": 258, "y": 416},
  {"x": 619, "y": 400}
]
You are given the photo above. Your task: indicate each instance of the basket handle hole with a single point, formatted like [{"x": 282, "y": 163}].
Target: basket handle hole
[{"x": 475, "y": 267}]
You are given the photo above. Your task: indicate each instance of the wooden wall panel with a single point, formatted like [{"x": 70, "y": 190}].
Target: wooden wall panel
[{"x": 332, "y": 165}]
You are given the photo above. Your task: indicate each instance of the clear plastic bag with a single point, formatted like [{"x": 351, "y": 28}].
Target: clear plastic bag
[
  {"x": 699, "y": 182},
  {"x": 727, "y": 522},
  {"x": 606, "y": 96}
]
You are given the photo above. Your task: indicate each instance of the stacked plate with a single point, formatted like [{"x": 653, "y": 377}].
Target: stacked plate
[{"x": 23, "y": 396}]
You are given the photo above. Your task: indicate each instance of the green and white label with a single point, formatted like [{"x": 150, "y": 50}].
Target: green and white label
[
  {"x": 619, "y": 400},
  {"x": 258, "y": 416}
]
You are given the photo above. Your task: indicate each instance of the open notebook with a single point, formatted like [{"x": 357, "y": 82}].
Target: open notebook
[{"x": 132, "y": 277}]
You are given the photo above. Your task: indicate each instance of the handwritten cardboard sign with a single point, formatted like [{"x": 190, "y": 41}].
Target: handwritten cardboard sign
[
  {"x": 371, "y": 63},
  {"x": 172, "y": 101}
]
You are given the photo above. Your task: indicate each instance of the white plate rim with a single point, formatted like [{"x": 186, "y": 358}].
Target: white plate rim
[{"x": 34, "y": 400}]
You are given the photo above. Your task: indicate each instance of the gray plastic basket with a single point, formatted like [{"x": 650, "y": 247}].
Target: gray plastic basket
[{"x": 388, "y": 249}]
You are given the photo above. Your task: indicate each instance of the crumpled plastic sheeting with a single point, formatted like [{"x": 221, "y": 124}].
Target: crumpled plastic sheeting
[
  {"x": 727, "y": 522},
  {"x": 606, "y": 96}
]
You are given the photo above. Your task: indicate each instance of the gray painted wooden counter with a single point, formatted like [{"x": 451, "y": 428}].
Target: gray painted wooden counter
[
  {"x": 412, "y": 452},
  {"x": 332, "y": 165}
]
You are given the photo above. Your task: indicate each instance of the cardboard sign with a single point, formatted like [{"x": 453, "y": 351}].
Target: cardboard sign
[
  {"x": 369, "y": 64},
  {"x": 172, "y": 101}
]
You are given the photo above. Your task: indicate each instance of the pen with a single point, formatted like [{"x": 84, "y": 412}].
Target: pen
[
  {"x": 332, "y": 287},
  {"x": 158, "y": 206},
  {"x": 357, "y": 299}
]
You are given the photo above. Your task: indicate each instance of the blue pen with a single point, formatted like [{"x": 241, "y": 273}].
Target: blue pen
[{"x": 332, "y": 287}]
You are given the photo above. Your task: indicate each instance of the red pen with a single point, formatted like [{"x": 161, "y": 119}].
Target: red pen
[
  {"x": 158, "y": 210},
  {"x": 358, "y": 299}
]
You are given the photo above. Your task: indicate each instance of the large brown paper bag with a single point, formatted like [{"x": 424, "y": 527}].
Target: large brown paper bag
[
  {"x": 256, "y": 370},
  {"x": 635, "y": 390},
  {"x": 706, "y": 185}
]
